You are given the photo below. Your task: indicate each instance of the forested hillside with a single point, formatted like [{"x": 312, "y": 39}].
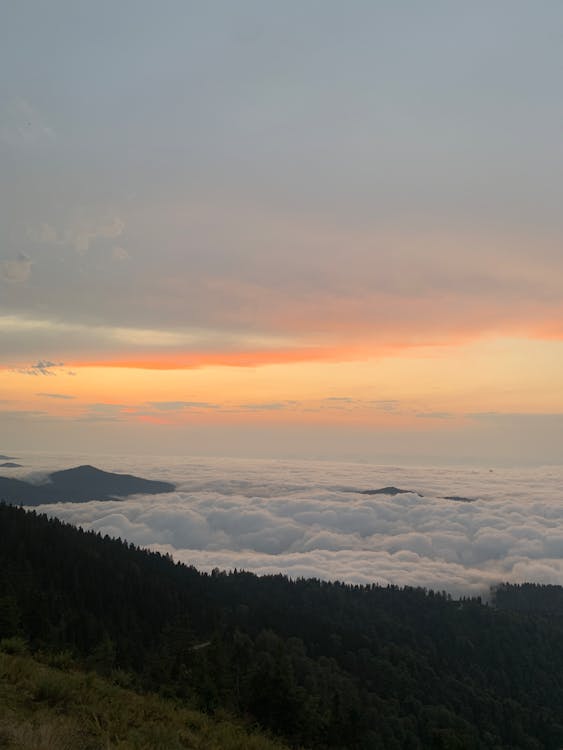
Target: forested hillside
[{"x": 323, "y": 665}]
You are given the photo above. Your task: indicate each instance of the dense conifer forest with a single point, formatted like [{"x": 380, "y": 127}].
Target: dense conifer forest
[{"x": 321, "y": 665}]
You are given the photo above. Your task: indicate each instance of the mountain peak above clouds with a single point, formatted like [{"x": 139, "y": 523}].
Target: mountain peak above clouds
[{"x": 79, "y": 485}]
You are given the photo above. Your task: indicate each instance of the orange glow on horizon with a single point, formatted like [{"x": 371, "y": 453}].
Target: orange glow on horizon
[
  {"x": 265, "y": 357},
  {"x": 414, "y": 388}
]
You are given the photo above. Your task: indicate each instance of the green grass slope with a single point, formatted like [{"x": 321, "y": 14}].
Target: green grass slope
[{"x": 48, "y": 707}]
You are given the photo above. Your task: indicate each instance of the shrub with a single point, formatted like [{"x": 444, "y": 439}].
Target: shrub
[
  {"x": 13, "y": 645},
  {"x": 53, "y": 689}
]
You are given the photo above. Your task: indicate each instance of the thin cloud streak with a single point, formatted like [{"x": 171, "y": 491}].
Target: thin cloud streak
[{"x": 63, "y": 396}]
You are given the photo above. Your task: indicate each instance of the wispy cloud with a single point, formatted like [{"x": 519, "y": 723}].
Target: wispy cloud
[
  {"x": 181, "y": 405},
  {"x": 17, "y": 414},
  {"x": 43, "y": 367},
  {"x": 81, "y": 233},
  {"x": 21, "y": 124},
  {"x": 522, "y": 417},
  {"x": 63, "y": 396},
  {"x": 17, "y": 270},
  {"x": 268, "y": 405},
  {"x": 434, "y": 415},
  {"x": 388, "y": 405},
  {"x": 103, "y": 412}
]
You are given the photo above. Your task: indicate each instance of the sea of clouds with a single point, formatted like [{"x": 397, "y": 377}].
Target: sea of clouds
[{"x": 308, "y": 519}]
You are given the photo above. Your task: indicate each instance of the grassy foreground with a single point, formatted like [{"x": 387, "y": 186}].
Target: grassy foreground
[{"x": 48, "y": 707}]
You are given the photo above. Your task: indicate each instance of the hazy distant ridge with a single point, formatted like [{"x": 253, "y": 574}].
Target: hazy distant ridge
[
  {"x": 392, "y": 491},
  {"x": 79, "y": 485}
]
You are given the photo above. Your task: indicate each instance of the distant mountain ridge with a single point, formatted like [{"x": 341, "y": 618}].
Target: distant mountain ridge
[
  {"x": 79, "y": 485},
  {"x": 392, "y": 491}
]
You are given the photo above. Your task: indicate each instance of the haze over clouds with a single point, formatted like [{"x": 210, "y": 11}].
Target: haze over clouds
[{"x": 305, "y": 519}]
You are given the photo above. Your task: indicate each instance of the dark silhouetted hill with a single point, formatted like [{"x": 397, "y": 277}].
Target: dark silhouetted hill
[
  {"x": 393, "y": 491},
  {"x": 79, "y": 485}
]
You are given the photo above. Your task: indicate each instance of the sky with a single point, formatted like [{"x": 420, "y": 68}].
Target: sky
[{"x": 303, "y": 229}]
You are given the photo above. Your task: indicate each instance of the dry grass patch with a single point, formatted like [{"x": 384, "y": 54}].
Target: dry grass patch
[{"x": 44, "y": 708}]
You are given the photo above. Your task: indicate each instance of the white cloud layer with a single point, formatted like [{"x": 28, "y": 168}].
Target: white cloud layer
[{"x": 302, "y": 518}]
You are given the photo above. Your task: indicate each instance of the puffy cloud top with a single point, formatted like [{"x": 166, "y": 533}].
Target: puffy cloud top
[{"x": 306, "y": 519}]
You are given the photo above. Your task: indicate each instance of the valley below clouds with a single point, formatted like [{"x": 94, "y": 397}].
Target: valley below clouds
[{"x": 309, "y": 519}]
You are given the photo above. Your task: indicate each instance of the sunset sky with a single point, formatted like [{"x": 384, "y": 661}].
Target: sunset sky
[{"x": 310, "y": 229}]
